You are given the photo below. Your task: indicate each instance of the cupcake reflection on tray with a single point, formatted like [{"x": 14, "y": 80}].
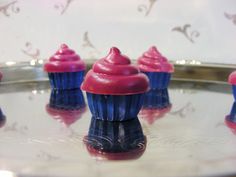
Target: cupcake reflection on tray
[
  {"x": 150, "y": 115},
  {"x": 115, "y": 140},
  {"x": 230, "y": 120},
  {"x": 66, "y": 105}
]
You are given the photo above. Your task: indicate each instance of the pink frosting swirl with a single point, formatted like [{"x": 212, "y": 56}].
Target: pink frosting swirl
[
  {"x": 153, "y": 61},
  {"x": 64, "y": 60},
  {"x": 232, "y": 78},
  {"x": 114, "y": 75}
]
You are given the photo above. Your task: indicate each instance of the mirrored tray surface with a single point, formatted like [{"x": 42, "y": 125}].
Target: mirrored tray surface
[{"x": 190, "y": 138}]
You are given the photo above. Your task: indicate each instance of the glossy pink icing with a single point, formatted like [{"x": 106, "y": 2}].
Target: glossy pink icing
[
  {"x": 232, "y": 78},
  {"x": 153, "y": 61},
  {"x": 64, "y": 60},
  {"x": 114, "y": 75}
]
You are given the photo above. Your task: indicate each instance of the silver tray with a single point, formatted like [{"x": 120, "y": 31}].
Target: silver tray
[{"x": 190, "y": 139}]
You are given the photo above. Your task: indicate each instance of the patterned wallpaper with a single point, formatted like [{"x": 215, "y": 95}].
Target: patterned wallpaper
[{"x": 32, "y": 30}]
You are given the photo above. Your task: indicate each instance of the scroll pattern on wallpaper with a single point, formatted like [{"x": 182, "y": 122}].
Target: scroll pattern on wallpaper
[{"x": 146, "y": 7}]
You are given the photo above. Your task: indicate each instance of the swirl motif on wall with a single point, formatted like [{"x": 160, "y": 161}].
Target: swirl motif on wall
[
  {"x": 15, "y": 127},
  {"x": 190, "y": 35},
  {"x": 10, "y": 7},
  {"x": 184, "y": 111},
  {"x": 146, "y": 8},
  {"x": 30, "y": 51},
  {"x": 231, "y": 17},
  {"x": 63, "y": 7},
  {"x": 87, "y": 44},
  {"x": 47, "y": 156}
]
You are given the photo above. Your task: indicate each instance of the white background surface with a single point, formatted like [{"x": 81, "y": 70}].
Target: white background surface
[{"x": 31, "y": 29}]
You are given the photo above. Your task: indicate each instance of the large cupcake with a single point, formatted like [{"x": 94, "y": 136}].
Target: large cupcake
[
  {"x": 115, "y": 140},
  {"x": 115, "y": 88},
  {"x": 65, "y": 69},
  {"x": 156, "y": 67},
  {"x": 232, "y": 81}
]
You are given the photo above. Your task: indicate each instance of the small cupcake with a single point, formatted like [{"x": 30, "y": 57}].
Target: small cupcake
[
  {"x": 65, "y": 69},
  {"x": 115, "y": 88},
  {"x": 156, "y": 67},
  {"x": 115, "y": 140},
  {"x": 67, "y": 106},
  {"x": 232, "y": 81}
]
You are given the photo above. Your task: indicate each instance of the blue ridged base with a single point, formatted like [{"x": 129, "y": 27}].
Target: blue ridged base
[
  {"x": 158, "y": 80},
  {"x": 2, "y": 118},
  {"x": 67, "y": 99},
  {"x": 115, "y": 137},
  {"x": 156, "y": 98},
  {"x": 68, "y": 80},
  {"x": 113, "y": 107},
  {"x": 232, "y": 116},
  {"x": 234, "y": 91}
]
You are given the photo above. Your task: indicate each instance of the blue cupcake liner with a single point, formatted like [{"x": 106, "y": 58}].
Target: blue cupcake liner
[
  {"x": 234, "y": 91},
  {"x": 114, "y": 107},
  {"x": 67, "y": 99},
  {"x": 115, "y": 137},
  {"x": 232, "y": 116},
  {"x": 156, "y": 98},
  {"x": 2, "y": 118},
  {"x": 67, "y": 80},
  {"x": 158, "y": 80}
]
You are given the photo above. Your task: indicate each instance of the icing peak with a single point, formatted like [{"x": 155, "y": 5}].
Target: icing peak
[
  {"x": 115, "y": 75},
  {"x": 64, "y": 54},
  {"x": 64, "y": 60},
  {"x": 153, "y": 53},
  {"x": 153, "y": 61},
  {"x": 115, "y": 57}
]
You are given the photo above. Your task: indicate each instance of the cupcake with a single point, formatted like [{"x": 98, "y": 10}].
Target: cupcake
[
  {"x": 115, "y": 88},
  {"x": 230, "y": 120},
  {"x": 65, "y": 69},
  {"x": 115, "y": 140},
  {"x": 232, "y": 81},
  {"x": 67, "y": 106},
  {"x": 156, "y": 67}
]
